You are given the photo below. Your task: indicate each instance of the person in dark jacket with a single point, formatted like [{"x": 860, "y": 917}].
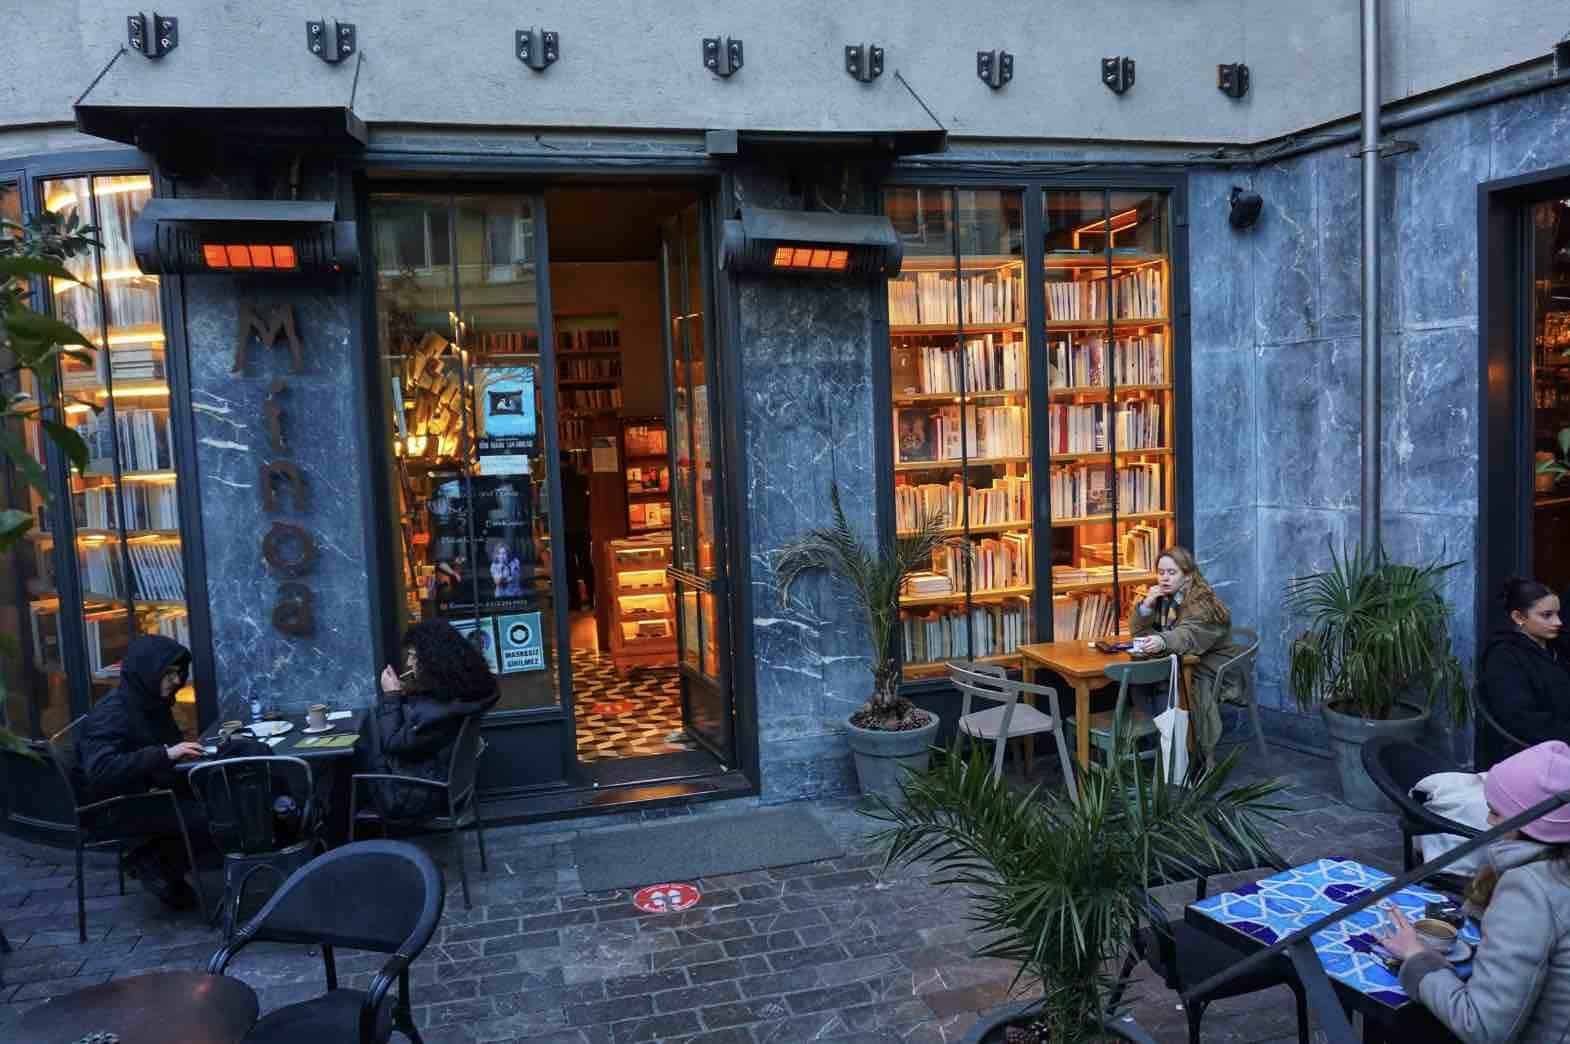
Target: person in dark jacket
[
  {"x": 1525, "y": 682},
  {"x": 415, "y": 725},
  {"x": 129, "y": 743}
]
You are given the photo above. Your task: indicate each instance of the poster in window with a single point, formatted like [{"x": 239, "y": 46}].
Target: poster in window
[
  {"x": 481, "y": 633},
  {"x": 506, "y": 419},
  {"x": 482, "y": 545}
]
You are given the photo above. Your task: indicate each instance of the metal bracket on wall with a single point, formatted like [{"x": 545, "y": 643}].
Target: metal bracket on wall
[
  {"x": 994, "y": 68},
  {"x": 864, "y": 62},
  {"x": 331, "y": 47},
  {"x": 1562, "y": 59},
  {"x": 721, "y": 55},
  {"x": 1393, "y": 147},
  {"x": 538, "y": 48},
  {"x": 1232, "y": 80},
  {"x": 1117, "y": 73},
  {"x": 152, "y": 38}
]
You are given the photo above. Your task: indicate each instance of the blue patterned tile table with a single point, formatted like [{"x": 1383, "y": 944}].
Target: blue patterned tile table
[{"x": 1272, "y": 908}]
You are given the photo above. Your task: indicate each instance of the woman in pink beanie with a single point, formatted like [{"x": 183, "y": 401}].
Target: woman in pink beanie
[{"x": 1520, "y": 984}]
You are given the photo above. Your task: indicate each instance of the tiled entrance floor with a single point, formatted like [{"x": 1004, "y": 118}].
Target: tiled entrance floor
[
  {"x": 822, "y": 951},
  {"x": 629, "y": 716}
]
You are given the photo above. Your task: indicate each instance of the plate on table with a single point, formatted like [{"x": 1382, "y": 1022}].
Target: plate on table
[
  {"x": 268, "y": 729},
  {"x": 309, "y": 731}
]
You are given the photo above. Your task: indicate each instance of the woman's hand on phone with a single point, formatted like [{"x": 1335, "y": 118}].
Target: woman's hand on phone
[{"x": 390, "y": 681}]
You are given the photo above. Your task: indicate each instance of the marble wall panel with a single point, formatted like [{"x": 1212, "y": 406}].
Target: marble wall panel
[
  {"x": 1292, "y": 543},
  {"x": 1338, "y": 189},
  {"x": 1423, "y": 538},
  {"x": 1431, "y": 444},
  {"x": 1436, "y": 218},
  {"x": 1309, "y": 424},
  {"x": 1530, "y": 133},
  {"x": 1284, "y": 246},
  {"x": 1226, "y": 543},
  {"x": 1221, "y": 278},
  {"x": 1224, "y": 430}
]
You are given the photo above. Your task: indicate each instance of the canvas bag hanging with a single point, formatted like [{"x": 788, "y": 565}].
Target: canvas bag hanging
[{"x": 1172, "y": 727}]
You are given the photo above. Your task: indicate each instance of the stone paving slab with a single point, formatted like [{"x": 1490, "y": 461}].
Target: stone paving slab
[{"x": 827, "y": 951}]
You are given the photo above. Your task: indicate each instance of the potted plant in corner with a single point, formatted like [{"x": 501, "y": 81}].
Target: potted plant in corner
[
  {"x": 1375, "y": 658},
  {"x": 888, "y": 736},
  {"x": 1059, "y": 887}
]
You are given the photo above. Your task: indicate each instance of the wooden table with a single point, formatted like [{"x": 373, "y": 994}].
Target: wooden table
[
  {"x": 186, "y": 1006},
  {"x": 1084, "y": 667}
]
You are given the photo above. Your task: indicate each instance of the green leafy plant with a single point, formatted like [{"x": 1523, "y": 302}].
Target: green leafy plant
[
  {"x": 1378, "y": 633},
  {"x": 876, "y": 577},
  {"x": 1558, "y": 466},
  {"x": 1058, "y": 887}
]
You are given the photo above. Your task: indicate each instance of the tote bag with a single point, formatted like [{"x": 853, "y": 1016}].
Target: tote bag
[{"x": 1172, "y": 726}]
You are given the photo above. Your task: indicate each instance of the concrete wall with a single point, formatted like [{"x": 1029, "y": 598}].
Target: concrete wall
[
  {"x": 637, "y": 64},
  {"x": 1276, "y": 315}
]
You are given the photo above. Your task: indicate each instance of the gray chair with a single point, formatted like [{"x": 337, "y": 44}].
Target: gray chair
[
  {"x": 463, "y": 807},
  {"x": 1103, "y": 724},
  {"x": 1243, "y": 665},
  {"x": 1011, "y": 719}
]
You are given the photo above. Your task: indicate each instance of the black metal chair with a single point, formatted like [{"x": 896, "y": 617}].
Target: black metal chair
[
  {"x": 1511, "y": 743},
  {"x": 1397, "y": 766},
  {"x": 238, "y": 795},
  {"x": 380, "y": 896},
  {"x": 463, "y": 808},
  {"x": 111, "y": 824}
]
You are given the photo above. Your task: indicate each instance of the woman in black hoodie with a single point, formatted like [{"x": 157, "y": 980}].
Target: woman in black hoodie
[
  {"x": 416, "y": 722},
  {"x": 1525, "y": 680}
]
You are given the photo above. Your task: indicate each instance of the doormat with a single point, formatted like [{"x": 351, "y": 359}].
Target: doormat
[{"x": 690, "y": 847}]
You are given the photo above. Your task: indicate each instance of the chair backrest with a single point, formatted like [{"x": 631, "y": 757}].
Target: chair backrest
[
  {"x": 39, "y": 791},
  {"x": 988, "y": 681},
  {"x": 1396, "y": 766},
  {"x": 465, "y": 761},
  {"x": 237, "y": 795},
  {"x": 383, "y": 896},
  {"x": 1139, "y": 672},
  {"x": 1247, "y": 638},
  {"x": 1486, "y": 718}
]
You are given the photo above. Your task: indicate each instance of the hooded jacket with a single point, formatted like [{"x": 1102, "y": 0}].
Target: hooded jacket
[
  {"x": 414, "y": 735},
  {"x": 1520, "y": 985},
  {"x": 1190, "y": 630},
  {"x": 121, "y": 743},
  {"x": 1527, "y": 688}
]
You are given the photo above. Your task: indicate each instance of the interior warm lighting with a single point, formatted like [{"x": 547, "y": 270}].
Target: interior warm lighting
[
  {"x": 185, "y": 694},
  {"x": 61, "y": 196},
  {"x": 142, "y": 335},
  {"x": 131, "y": 390},
  {"x": 250, "y": 256},
  {"x": 1123, "y": 219},
  {"x": 113, "y": 275},
  {"x": 148, "y": 476},
  {"x": 820, "y": 258},
  {"x": 214, "y": 255}
]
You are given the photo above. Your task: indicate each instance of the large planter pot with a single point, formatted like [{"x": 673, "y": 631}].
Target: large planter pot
[
  {"x": 883, "y": 758},
  {"x": 1348, "y": 733},
  {"x": 989, "y": 1028}
]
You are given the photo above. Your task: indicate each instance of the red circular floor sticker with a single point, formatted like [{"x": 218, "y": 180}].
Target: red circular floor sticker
[
  {"x": 673, "y": 897},
  {"x": 614, "y": 709}
]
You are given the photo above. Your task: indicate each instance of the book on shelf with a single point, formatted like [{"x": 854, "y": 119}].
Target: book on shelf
[
  {"x": 1137, "y": 425},
  {"x": 148, "y": 505},
  {"x": 1006, "y": 500},
  {"x": 1082, "y": 490},
  {"x": 1002, "y": 562},
  {"x": 141, "y": 436},
  {"x": 1139, "y": 488},
  {"x": 595, "y": 369},
  {"x": 942, "y": 433},
  {"x": 1137, "y": 294},
  {"x": 930, "y": 583},
  {"x": 936, "y": 298},
  {"x": 645, "y": 440},
  {"x": 1081, "y": 362},
  {"x": 934, "y": 637},
  {"x": 1141, "y": 546},
  {"x": 982, "y": 364},
  {"x": 997, "y": 630},
  {"x": 99, "y": 565},
  {"x": 591, "y": 399},
  {"x": 158, "y": 571},
  {"x": 108, "y": 634},
  {"x": 601, "y": 337},
  {"x": 1084, "y": 617}
]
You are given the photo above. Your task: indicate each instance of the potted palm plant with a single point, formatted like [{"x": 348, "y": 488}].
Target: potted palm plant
[
  {"x": 1059, "y": 886},
  {"x": 1375, "y": 658},
  {"x": 888, "y": 735}
]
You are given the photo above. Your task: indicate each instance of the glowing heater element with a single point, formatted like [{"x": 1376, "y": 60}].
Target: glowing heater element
[
  {"x": 276, "y": 256},
  {"x": 821, "y": 258},
  {"x": 760, "y": 241}
]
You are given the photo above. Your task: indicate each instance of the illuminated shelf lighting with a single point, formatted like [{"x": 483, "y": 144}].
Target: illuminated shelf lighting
[
  {"x": 101, "y": 187},
  {"x": 144, "y": 335},
  {"x": 112, "y": 276}
]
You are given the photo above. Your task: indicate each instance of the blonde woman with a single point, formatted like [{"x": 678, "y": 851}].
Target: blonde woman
[{"x": 1181, "y": 613}]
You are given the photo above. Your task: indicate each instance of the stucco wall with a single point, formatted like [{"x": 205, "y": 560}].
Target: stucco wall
[
  {"x": 636, "y": 64},
  {"x": 1276, "y": 364}
]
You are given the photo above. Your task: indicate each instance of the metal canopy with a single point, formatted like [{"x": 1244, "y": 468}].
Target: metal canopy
[{"x": 159, "y": 128}]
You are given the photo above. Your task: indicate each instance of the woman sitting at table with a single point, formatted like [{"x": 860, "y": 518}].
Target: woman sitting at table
[
  {"x": 1182, "y": 614},
  {"x": 1525, "y": 681},
  {"x": 1519, "y": 989},
  {"x": 416, "y": 722}
]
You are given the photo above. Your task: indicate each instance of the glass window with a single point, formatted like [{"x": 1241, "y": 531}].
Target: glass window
[
  {"x": 461, "y": 365},
  {"x": 1549, "y": 428}
]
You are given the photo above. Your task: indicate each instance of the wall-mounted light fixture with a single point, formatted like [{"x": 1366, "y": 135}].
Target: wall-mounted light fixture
[
  {"x": 1245, "y": 206},
  {"x": 196, "y": 236},
  {"x": 538, "y": 48},
  {"x": 721, "y": 55},
  {"x": 152, "y": 38},
  {"x": 1117, "y": 73},
  {"x": 1232, "y": 79},
  {"x": 795, "y": 242},
  {"x": 330, "y": 45},
  {"x": 994, "y": 68}
]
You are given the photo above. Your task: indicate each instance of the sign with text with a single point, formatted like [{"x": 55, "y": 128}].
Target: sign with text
[{"x": 521, "y": 639}]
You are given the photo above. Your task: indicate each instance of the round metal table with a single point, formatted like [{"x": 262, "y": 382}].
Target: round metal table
[{"x": 187, "y": 1006}]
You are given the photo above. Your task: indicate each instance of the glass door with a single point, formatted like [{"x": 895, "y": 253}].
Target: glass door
[
  {"x": 1548, "y": 428},
  {"x": 698, "y": 570}
]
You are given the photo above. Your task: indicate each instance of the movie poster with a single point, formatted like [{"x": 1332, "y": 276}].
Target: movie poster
[
  {"x": 506, "y": 419},
  {"x": 482, "y": 545}
]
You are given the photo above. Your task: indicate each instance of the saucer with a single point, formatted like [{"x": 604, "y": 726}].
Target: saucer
[
  {"x": 267, "y": 729},
  {"x": 311, "y": 732}
]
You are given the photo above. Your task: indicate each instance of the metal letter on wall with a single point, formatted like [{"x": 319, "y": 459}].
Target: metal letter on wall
[
  {"x": 295, "y": 611},
  {"x": 279, "y": 322},
  {"x": 275, "y": 549}
]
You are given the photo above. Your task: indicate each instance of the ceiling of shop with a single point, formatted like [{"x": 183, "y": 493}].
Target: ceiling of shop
[{"x": 603, "y": 224}]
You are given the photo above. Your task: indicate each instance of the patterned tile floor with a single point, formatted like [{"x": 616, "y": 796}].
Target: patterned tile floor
[{"x": 625, "y": 717}]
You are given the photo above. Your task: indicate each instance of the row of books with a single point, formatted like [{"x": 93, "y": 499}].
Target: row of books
[
  {"x": 591, "y": 399},
  {"x": 148, "y": 505},
  {"x": 1081, "y": 491},
  {"x": 141, "y": 436},
  {"x": 1002, "y": 562},
  {"x": 938, "y": 298},
  {"x": 514, "y": 342},
  {"x": 1084, "y": 617},
  {"x": 1141, "y": 546},
  {"x": 108, "y": 636},
  {"x": 1134, "y": 295},
  {"x": 1006, "y": 500},
  {"x": 934, "y": 637},
  {"x": 982, "y": 364},
  {"x": 159, "y": 572},
  {"x": 645, "y": 440},
  {"x": 1083, "y": 429},
  {"x": 648, "y": 480},
  {"x": 924, "y": 433},
  {"x": 598, "y": 368},
  {"x": 595, "y": 339},
  {"x": 1083, "y": 363},
  {"x": 653, "y": 514},
  {"x": 1139, "y": 488}
]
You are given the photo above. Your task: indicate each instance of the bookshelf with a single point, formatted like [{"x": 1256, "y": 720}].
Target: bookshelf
[
  {"x": 643, "y": 620},
  {"x": 646, "y": 471},
  {"x": 124, "y": 505},
  {"x": 1010, "y": 389}
]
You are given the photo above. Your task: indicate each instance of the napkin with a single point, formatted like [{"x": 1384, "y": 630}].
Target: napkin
[{"x": 339, "y": 715}]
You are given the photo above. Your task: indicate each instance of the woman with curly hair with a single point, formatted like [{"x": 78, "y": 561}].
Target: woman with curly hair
[
  {"x": 420, "y": 712},
  {"x": 1181, "y": 613}
]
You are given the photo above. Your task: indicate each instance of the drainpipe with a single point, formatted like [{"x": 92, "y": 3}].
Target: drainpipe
[{"x": 1369, "y": 154}]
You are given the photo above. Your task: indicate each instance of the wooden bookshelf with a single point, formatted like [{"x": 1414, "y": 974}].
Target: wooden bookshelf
[{"x": 643, "y": 616}]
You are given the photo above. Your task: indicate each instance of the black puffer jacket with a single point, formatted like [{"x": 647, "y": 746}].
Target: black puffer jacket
[
  {"x": 413, "y": 735},
  {"x": 1527, "y": 689},
  {"x": 120, "y": 745}
]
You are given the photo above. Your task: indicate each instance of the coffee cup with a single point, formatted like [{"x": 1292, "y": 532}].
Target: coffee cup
[
  {"x": 1435, "y": 934},
  {"x": 316, "y": 716}
]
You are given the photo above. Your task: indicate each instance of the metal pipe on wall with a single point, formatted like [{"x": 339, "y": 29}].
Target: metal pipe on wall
[{"x": 1368, "y": 530}]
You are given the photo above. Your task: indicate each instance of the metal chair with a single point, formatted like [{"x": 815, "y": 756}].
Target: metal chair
[
  {"x": 380, "y": 896},
  {"x": 1103, "y": 723},
  {"x": 238, "y": 796},
  {"x": 1396, "y": 766},
  {"x": 1011, "y": 720},
  {"x": 1485, "y": 717},
  {"x": 1243, "y": 664},
  {"x": 463, "y": 808},
  {"x": 92, "y": 825}
]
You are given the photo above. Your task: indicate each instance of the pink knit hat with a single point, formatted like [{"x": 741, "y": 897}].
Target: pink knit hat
[{"x": 1522, "y": 780}]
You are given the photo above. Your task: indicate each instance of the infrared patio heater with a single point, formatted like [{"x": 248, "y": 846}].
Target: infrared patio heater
[
  {"x": 243, "y": 237},
  {"x": 812, "y": 243}
]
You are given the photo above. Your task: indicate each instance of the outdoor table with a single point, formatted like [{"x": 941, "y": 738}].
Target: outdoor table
[
  {"x": 1084, "y": 667},
  {"x": 1257, "y": 915},
  {"x": 187, "y": 1006}
]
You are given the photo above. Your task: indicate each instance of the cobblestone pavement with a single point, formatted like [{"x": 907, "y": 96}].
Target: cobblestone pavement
[{"x": 815, "y": 952}]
